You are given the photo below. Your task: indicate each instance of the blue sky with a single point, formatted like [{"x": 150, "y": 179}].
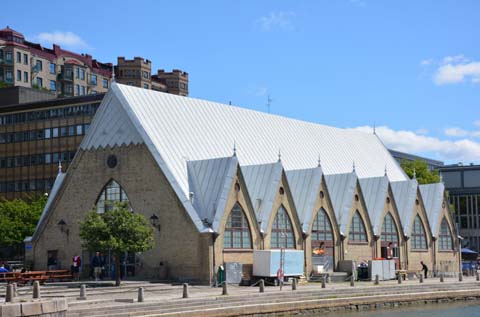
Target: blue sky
[{"x": 412, "y": 67}]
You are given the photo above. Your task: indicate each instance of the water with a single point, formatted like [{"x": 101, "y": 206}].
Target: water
[{"x": 455, "y": 309}]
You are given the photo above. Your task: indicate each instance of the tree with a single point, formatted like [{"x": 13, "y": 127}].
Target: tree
[
  {"x": 119, "y": 230},
  {"x": 18, "y": 219},
  {"x": 423, "y": 174}
]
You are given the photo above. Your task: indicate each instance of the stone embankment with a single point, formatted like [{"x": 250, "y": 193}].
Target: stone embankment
[{"x": 166, "y": 300}]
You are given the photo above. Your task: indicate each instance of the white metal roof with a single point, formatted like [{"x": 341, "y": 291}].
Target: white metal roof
[
  {"x": 432, "y": 196},
  {"x": 262, "y": 182},
  {"x": 404, "y": 194},
  {"x": 305, "y": 187},
  {"x": 374, "y": 191},
  {"x": 53, "y": 193},
  {"x": 210, "y": 182},
  {"x": 341, "y": 188},
  {"x": 182, "y": 128}
]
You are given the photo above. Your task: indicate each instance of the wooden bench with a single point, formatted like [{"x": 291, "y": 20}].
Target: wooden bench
[
  {"x": 32, "y": 276},
  {"x": 9, "y": 276},
  {"x": 59, "y": 275}
]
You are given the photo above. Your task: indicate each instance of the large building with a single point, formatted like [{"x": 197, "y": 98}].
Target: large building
[
  {"x": 35, "y": 137},
  {"x": 65, "y": 73},
  {"x": 402, "y": 156},
  {"x": 27, "y": 64},
  {"x": 218, "y": 182},
  {"x": 463, "y": 185}
]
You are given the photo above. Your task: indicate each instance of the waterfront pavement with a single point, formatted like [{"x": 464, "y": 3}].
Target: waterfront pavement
[{"x": 162, "y": 299}]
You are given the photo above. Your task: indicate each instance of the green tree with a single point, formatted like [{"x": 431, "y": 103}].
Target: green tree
[
  {"x": 423, "y": 174},
  {"x": 119, "y": 231},
  {"x": 18, "y": 219}
]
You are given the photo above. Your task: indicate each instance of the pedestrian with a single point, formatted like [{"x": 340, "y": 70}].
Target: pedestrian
[
  {"x": 76, "y": 263},
  {"x": 3, "y": 269},
  {"x": 390, "y": 251},
  {"x": 52, "y": 262},
  {"x": 424, "y": 268},
  {"x": 97, "y": 264}
]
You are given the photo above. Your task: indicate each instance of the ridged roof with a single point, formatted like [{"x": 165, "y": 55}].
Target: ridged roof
[
  {"x": 404, "y": 194},
  {"x": 262, "y": 182},
  {"x": 210, "y": 182},
  {"x": 341, "y": 188},
  {"x": 374, "y": 191},
  {"x": 432, "y": 196},
  {"x": 305, "y": 188}
]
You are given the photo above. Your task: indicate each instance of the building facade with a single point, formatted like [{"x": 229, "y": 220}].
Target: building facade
[
  {"x": 138, "y": 72},
  {"x": 400, "y": 156},
  {"x": 67, "y": 74},
  {"x": 36, "y": 137},
  {"x": 27, "y": 64},
  {"x": 205, "y": 173},
  {"x": 463, "y": 185}
]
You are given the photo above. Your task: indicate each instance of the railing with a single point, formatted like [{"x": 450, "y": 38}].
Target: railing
[
  {"x": 62, "y": 76},
  {"x": 4, "y": 61}
]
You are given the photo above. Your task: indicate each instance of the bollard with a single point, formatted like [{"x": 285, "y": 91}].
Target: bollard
[
  {"x": 478, "y": 276},
  {"x": 83, "y": 292},
  {"x": 224, "y": 288},
  {"x": 141, "y": 293},
  {"x": 460, "y": 277},
  {"x": 377, "y": 280},
  {"x": 262, "y": 286},
  {"x": 9, "y": 298},
  {"x": 36, "y": 289},
  {"x": 294, "y": 284},
  {"x": 441, "y": 277},
  {"x": 352, "y": 281},
  {"x": 420, "y": 278},
  {"x": 14, "y": 289},
  {"x": 324, "y": 282},
  {"x": 399, "y": 279},
  {"x": 185, "y": 290}
]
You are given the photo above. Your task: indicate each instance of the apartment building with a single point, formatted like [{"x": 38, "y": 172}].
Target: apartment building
[
  {"x": 35, "y": 137},
  {"x": 68, "y": 74}
]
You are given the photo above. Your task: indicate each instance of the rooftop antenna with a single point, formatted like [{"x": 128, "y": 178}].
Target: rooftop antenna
[
  {"x": 386, "y": 170},
  {"x": 374, "y": 128},
  {"x": 59, "y": 167},
  {"x": 234, "y": 148},
  {"x": 269, "y": 103},
  {"x": 319, "y": 161},
  {"x": 414, "y": 174},
  {"x": 353, "y": 167},
  {"x": 279, "y": 155},
  {"x": 113, "y": 73},
  {"x": 441, "y": 177}
]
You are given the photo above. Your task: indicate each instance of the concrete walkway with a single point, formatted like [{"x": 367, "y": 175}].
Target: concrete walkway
[{"x": 166, "y": 299}]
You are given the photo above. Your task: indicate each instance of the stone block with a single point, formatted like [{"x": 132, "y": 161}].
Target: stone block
[
  {"x": 30, "y": 309},
  {"x": 49, "y": 307},
  {"x": 10, "y": 310}
]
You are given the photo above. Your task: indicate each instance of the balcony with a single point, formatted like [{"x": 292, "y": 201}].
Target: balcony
[{"x": 65, "y": 77}]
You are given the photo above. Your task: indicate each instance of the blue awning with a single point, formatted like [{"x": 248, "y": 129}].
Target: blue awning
[{"x": 465, "y": 250}]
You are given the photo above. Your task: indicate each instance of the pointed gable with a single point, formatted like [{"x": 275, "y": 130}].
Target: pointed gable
[
  {"x": 305, "y": 186},
  {"x": 111, "y": 126},
  {"x": 404, "y": 194},
  {"x": 262, "y": 182},
  {"x": 210, "y": 182},
  {"x": 46, "y": 210},
  {"x": 432, "y": 197},
  {"x": 341, "y": 188},
  {"x": 374, "y": 191}
]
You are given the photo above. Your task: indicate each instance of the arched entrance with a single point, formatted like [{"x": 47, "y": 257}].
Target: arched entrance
[
  {"x": 322, "y": 241},
  {"x": 389, "y": 248}
]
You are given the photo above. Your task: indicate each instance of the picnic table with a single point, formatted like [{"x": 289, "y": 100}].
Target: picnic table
[
  {"x": 32, "y": 276},
  {"x": 9, "y": 276}
]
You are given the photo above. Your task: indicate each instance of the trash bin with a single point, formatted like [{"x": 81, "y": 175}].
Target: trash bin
[{"x": 220, "y": 275}]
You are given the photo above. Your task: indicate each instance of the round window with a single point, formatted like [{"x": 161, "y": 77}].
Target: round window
[{"x": 112, "y": 161}]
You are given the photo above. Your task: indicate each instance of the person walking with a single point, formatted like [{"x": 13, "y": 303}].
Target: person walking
[
  {"x": 97, "y": 264},
  {"x": 424, "y": 269},
  {"x": 76, "y": 263}
]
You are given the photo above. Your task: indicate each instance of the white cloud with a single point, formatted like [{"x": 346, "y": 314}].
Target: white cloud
[
  {"x": 69, "y": 39},
  {"x": 476, "y": 123},
  {"x": 457, "y": 69},
  {"x": 458, "y": 132},
  {"x": 455, "y": 59},
  {"x": 422, "y": 131},
  {"x": 427, "y": 62},
  {"x": 281, "y": 20},
  {"x": 410, "y": 142}
]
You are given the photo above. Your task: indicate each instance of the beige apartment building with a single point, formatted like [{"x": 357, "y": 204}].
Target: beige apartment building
[{"x": 68, "y": 74}]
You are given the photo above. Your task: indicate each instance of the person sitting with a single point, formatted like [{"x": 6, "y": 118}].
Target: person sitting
[{"x": 3, "y": 269}]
